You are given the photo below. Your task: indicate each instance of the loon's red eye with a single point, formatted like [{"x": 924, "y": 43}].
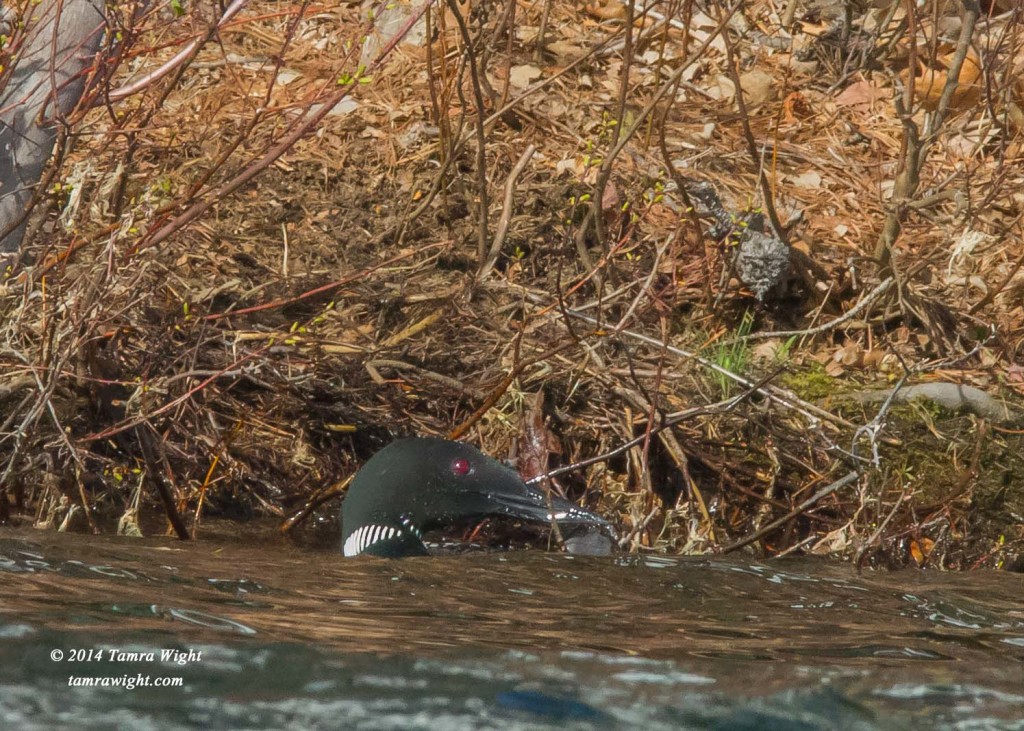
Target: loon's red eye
[{"x": 460, "y": 467}]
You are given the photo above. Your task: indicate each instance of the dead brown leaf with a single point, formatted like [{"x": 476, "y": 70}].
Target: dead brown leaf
[
  {"x": 929, "y": 82},
  {"x": 795, "y": 108},
  {"x": 861, "y": 94},
  {"x": 522, "y": 76},
  {"x": 921, "y": 549},
  {"x": 609, "y": 10}
]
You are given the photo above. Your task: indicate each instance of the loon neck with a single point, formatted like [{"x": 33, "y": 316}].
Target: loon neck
[{"x": 389, "y": 538}]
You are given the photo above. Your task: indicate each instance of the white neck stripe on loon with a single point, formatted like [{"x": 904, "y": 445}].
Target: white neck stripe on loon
[
  {"x": 406, "y": 521},
  {"x": 367, "y": 535}
]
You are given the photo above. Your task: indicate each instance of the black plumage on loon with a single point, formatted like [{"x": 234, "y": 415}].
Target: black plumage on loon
[{"x": 418, "y": 484}]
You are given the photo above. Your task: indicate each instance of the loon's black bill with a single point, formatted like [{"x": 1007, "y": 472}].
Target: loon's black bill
[{"x": 534, "y": 505}]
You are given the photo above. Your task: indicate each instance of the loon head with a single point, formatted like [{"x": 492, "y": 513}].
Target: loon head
[{"x": 418, "y": 484}]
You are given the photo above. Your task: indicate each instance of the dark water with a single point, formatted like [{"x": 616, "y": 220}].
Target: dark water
[{"x": 271, "y": 637}]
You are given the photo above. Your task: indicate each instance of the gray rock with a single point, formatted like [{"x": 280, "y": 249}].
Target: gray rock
[
  {"x": 953, "y": 397},
  {"x": 590, "y": 542},
  {"x": 762, "y": 262}
]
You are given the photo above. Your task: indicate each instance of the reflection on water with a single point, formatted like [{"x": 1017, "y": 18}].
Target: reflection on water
[{"x": 284, "y": 637}]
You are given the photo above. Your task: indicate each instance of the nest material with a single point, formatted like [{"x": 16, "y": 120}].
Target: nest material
[{"x": 241, "y": 360}]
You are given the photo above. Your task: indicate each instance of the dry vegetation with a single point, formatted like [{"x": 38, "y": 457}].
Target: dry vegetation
[{"x": 252, "y": 272}]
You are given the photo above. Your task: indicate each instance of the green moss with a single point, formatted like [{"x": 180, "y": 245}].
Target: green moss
[
  {"x": 812, "y": 383},
  {"x": 935, "y": 455}
]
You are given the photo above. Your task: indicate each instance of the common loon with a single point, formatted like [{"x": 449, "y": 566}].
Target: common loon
[{"x": 418, "y": 484}]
